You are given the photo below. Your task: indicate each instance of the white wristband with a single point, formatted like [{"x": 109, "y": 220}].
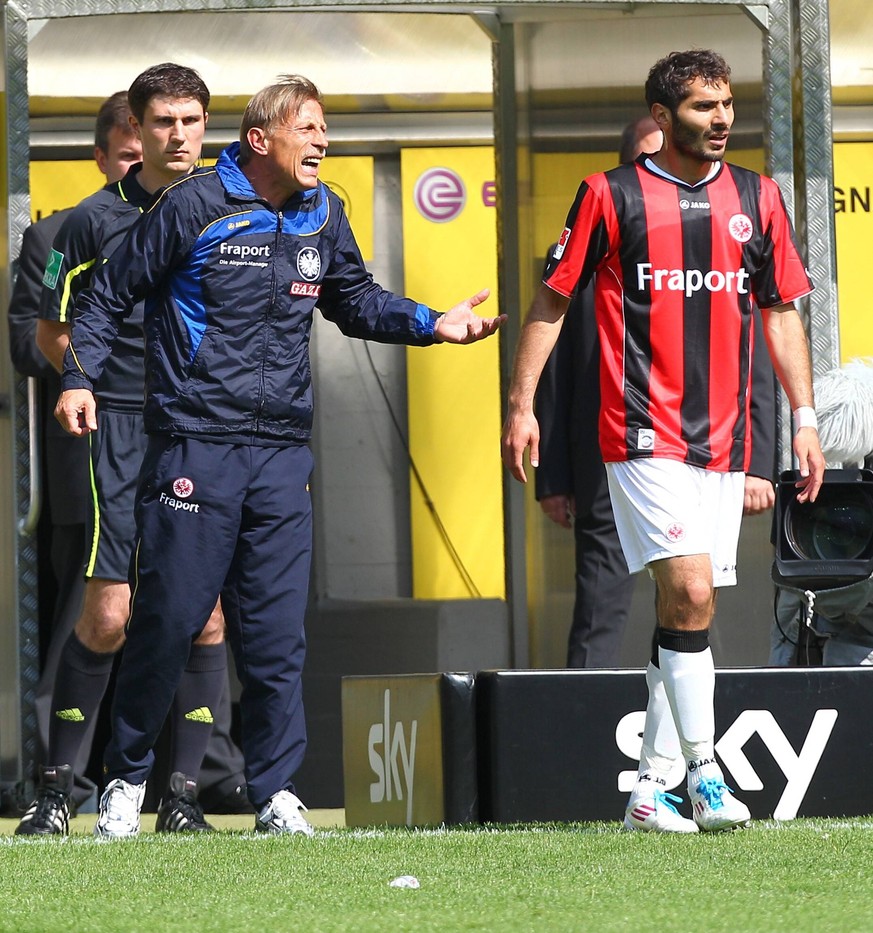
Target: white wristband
[{"x": 804, "y": 417}]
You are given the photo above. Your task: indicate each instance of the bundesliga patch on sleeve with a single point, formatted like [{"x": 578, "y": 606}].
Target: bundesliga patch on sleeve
[
  {"x": 52, "y": 269},
  {"x": 561, "y": 244}
]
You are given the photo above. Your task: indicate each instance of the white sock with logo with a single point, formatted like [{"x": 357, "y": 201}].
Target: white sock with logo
[
  {"x": 689, "y": 682},
  {"x": 661, "y": 747}
]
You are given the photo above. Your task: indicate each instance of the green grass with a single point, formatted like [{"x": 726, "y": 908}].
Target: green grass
[{"x": 807, "y": 875}]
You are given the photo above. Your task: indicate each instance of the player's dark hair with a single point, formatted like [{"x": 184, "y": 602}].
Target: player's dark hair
[
  {"x": 113, "y": 112},
  {"x": 274, "y": 105},
  {"x": 175, "y": 82},
  {"x": 669, "y": 78}
]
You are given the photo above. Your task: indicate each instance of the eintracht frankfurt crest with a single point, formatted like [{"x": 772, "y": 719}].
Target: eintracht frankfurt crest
[
  {"x": 309, "y": 263},
  {"x": 183, "y": 487}
]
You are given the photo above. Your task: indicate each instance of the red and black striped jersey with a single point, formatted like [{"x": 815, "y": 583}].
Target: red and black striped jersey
[{"x": 677, "y": 271}]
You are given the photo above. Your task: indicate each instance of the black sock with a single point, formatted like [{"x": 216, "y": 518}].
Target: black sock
[
  {"x": 194, "y": 707},
  {"x": 80, "y": 684}
]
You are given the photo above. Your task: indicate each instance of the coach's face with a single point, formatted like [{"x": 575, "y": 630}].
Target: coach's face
[
  {"x": 702, "y": 123},
  {"x": 298, "y": 145}
]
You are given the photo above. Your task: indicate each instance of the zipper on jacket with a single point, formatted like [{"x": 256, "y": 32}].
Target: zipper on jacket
[{"x": 268, "y": 315}]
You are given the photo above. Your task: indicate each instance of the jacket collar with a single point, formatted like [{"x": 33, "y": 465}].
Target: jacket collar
[{"x": 237, "y": 185}]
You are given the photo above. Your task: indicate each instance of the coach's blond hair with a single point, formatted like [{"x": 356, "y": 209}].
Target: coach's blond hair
[{"x": 274, "y": 105}]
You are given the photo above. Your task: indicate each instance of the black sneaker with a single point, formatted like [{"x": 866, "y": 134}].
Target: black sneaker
[
  {"x": 49, "y": 814},
  {"x": 179, "y": 811}
]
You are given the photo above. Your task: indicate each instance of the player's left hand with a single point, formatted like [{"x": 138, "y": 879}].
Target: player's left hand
[
  {"x": 461, "y": 325},
  {"x": 810, "y": 463},
  {"x": 758, "y": 496}
]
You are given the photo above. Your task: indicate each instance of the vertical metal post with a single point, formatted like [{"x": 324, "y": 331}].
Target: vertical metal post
[
  {"x": 19, "y": 644},
  {"x": 509, "y": 139}
]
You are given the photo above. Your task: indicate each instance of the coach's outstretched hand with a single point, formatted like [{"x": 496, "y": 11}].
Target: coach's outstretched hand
[{"x": 461, "y": 325}]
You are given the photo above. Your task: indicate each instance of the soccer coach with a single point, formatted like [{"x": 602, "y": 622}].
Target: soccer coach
[{"x": 232, "y": 262}]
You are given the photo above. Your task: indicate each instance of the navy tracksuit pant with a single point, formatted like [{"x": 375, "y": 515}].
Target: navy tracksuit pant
[{"x": 229, "y": 519}]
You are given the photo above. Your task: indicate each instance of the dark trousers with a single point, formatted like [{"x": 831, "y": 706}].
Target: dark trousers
[
  {"x": 604, "y": 588},
  {"x": 213, "y": 519}
]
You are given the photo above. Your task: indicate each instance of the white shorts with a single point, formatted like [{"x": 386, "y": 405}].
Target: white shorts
[{"x": 664, "y": 508}]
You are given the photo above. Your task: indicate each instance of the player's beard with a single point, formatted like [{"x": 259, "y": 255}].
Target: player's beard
[{"x": 691, "y": 142}]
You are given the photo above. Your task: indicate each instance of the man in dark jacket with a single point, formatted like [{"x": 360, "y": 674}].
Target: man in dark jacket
[{"x": 232, "y": 261}]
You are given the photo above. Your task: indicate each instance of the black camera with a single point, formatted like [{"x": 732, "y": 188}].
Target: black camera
[{"x": 828, "y": 543}]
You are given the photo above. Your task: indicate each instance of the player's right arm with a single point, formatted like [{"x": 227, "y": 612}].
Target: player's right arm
[
  {"x": 538, "y": 336},
  {"x": 52, "y": 339},
  {"x": 136, "y": 268},
  {"x": 582, "y": 246},
  {"x": 70, "y": 262}
]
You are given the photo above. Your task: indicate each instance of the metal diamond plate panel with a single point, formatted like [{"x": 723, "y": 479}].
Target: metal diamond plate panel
[
  {"x": 19, "y": 218},
  {"x": 812, "y": 40}
]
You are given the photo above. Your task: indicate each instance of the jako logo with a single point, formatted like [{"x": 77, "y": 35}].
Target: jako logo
[
  {"x": 439, "y": 195},
  {"x": 798, "y": 768},
  {"x": 386, "y": 764}
]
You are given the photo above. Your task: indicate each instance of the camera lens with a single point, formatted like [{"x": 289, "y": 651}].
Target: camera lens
[{"x": 837, "y": 526}]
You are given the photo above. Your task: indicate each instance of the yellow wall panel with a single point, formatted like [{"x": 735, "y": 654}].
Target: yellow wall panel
[
  {"x": 351, "y": 177},
  {"x": 853, "y": 181},
  {"x": 57, "y": 185},
  {"x": 454, "y": 392}
]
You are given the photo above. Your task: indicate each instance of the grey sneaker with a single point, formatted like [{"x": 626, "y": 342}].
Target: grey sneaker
[
  {"x": 119, "y": 810},
  {"x": 49, "y": 814},
  {"x": 281, "y": 814}
]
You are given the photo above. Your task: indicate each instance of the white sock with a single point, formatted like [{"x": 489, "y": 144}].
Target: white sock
[
  {"x": 689, "y": 681},
  {"x": 661, "y": 747}
]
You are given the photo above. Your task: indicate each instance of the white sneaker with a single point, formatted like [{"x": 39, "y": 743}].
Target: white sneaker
[
  {"x": 281, "y": 814},
  {"x": 653, "y": 812},
  {"x": 119, "y": 810},
  {"x": 715, "y": 807}
]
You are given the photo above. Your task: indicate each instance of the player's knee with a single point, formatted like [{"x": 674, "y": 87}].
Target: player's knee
[
  {"x": 213, "y": 631},
  {"x": 697, "y": 594},
  {"x": 102, "y": 631}
]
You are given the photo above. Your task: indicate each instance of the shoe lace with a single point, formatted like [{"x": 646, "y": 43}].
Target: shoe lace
[
  {"x": 662, "y": 797},
  {"x": 287, "y": 807},
  {"x": 190, "y": 808},
  {"x": 712, "y": 789},
  {"x": 121, "y": 800},
  {"x": 48, "y": 804}
]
